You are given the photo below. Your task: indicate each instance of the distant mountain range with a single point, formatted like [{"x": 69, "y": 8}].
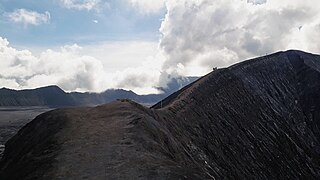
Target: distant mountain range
[{"x": 53, "y": 96}]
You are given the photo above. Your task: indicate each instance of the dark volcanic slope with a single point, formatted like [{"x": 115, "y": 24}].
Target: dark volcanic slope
[
  {"x": 255, "y": 120},
  {"x": 107, "y": 142}
]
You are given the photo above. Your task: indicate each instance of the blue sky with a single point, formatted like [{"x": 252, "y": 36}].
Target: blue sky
[
  {"x": 117, "y": 20},
  {"x": 59, "y": 41},
  {"x": 94, "y": 45}
]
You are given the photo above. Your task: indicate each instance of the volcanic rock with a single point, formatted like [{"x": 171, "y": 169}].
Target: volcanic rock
[{"x": 258, "y": 119}]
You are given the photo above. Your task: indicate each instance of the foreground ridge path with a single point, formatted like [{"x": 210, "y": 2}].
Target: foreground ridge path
[{"x": 258, "y": 119}]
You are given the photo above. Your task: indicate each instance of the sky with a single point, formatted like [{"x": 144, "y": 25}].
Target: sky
[{"x": 94, "y": 45}]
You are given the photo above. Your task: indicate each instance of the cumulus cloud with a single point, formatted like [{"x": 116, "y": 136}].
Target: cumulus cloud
[
  {"x": 132, "y": 65},
  {"x": 143, "y": 79},
  {"x": 80, "y": 4},
  {"x": 66, "y": 68},
  {"x": 196, "y": 35},
  {"x": 148, "y": 6},
  {"x": 28, "y": 17},
  {"x": 200, "y": 34},
  {"x": 73, "y": 68}
]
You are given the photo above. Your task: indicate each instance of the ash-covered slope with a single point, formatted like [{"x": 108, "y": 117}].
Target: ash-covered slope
[
  {"x": 255, "y": 120},
  {"x": 114, "y": 141}
]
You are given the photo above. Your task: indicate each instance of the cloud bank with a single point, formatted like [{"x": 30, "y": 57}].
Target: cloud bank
[
  {"x": 196, "y": 35},
  {"x": 200, "y": 34},
  {"x": 28, "y": 17},
  {"x": 70, "y": 69},
  {"x": 65, "y": 68}
]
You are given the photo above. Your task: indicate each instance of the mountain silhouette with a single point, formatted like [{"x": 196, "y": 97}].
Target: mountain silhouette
[{"x": 53, "y": 96}]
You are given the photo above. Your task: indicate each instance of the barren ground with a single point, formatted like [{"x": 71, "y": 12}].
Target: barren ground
[{"x": 13, "y": 118}]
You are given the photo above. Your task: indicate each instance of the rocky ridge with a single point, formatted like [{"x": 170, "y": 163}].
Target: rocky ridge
[{"x": 258, "y": 119}]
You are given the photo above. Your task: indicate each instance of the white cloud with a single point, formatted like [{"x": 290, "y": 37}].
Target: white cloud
[
  {"x": 117, "y": 55},
  {"x": 28, "y": 17},
  {"x": 80, "y": 4},
  {"x": 66, "y": 68},
  {"x": 88, "y": 68},
  {"x": 196, "y": 36},
  {"x": 148, "y": 6},
  {"x": 132, "y": 65},
  {"x": 200, "y": 34}
]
